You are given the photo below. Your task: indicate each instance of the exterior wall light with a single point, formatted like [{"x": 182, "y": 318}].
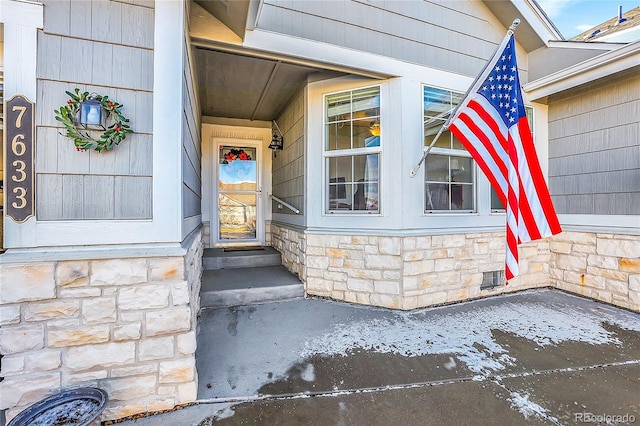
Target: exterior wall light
[
  {"x": 277, "y": 142},
  {"x": 91, "y": 115}
]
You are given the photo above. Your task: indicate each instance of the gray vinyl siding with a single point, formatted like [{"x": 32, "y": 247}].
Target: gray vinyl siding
[
  {"x": 454, "y": 36},
  {"x": 191, "y": 147},
  {"x": 104, "y": 47},
  {"x": 288, "y": 167},
  {"x": 594, "y": 149}
]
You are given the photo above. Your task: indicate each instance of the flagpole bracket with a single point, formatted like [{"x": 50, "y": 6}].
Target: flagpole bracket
[{"x": 513, "y": 25}]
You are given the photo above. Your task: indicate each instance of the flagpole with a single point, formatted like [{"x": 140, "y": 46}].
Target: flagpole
[
  {"x": 424, "y": 155},
  {"x": 445, "y": 126}
]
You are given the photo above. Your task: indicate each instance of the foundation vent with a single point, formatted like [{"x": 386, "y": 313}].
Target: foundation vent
[{"x": 492, "y": 279}]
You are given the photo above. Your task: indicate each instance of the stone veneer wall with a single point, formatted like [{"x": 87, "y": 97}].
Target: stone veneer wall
[
  {"x": 193, "y": 274},
  {"x": 406, "y": 272},
  {"x": 417, "y": 271},
  {"x": 124, "y": 325},
  {"x": 601, "y": 266},
  {"x": 206, "y": 234},
  {"x": 268, "y": 235},
  {"x": 291, "y": 245}
]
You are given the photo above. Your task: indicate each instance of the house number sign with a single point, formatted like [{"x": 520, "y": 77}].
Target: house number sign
[{"x": 19, "y": 176}]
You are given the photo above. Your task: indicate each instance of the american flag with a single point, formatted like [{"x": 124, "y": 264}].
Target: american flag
[{"x": 492, "y": 125}]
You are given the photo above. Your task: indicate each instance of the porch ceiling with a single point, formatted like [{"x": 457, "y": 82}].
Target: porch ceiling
[
  {"x": 235, "y": 85},
  {"x": 239, "y": 82}
]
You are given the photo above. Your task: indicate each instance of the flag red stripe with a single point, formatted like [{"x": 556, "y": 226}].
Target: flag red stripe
[
  {"x": 495, "y": 164},
  {"x": 513, "y": 213},
  {"x": 484, "y": 127},
  {"x": 485, "y": 139},
  {"x": 527, "y": 217},
  {"x": 494, "y": 170},
  {"x": 533, "y": 221},
  {"x": 539, "y": 182},
  {"x": 535, "y": 189},
  {"x": 490, "y": 120}
]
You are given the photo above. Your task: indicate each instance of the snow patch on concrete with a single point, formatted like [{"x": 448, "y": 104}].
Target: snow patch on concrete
[
  {"x": 468, "y": 333},
  {"x": 309, "y": 373},
  {"x": 528, "y": 408},
  {"x": 451, "y": 364},
  {"x": 277, "y": 342},
  {"x": 225, "y": 413}
]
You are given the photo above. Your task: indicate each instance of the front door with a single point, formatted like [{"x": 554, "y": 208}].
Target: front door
[{"x": 239, "y": 220}]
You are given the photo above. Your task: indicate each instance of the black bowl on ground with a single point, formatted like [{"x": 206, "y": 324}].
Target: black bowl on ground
[{"x": 73, "y": 407}]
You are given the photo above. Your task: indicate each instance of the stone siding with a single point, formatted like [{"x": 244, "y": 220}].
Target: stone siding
[
  {"x": 406, "y": 272},
  {"x": 601, "y": 266},
  {"x": 291, "y": 245},
  {"x": 193, "y": 272},
  {"x": 124, "y": 325}
]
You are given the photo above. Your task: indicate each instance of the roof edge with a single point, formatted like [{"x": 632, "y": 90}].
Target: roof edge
[
  {"x": 545, "y": 19},
  {"x": 203, "y": 43},
  {"x": 538, "y": 20},
  {"x": 587, "y": 45},
  {"x": 602, "y": 65}
]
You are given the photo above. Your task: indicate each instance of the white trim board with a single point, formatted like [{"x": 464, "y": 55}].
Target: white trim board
[
  {"x": 317, "y": 52},
  {"x": 24, "y": 13},
  {"x": 54, "y": 254},
  {"x": 611, "y": 224}
]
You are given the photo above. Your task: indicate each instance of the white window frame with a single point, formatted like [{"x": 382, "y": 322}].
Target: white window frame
[
  {"x": 452, "y": 153},
  {"x": 349, "y": 153},
  {"x": 449, "y": 152}
]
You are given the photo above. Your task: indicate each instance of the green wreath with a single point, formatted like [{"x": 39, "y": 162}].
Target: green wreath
[{"x": 115, "y": 133}]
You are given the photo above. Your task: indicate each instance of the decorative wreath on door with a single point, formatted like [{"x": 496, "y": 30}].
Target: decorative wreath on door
[{"x": 115, "y": 124}]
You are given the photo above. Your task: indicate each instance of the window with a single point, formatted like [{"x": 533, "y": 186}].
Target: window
[
  {"x": 352, "y": 151},
  {"x": 496, "y": 204},
  {"x": 449, "y": 180}
]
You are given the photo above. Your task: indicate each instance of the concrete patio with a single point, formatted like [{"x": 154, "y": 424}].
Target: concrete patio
[{"x": 536, "y": 357}]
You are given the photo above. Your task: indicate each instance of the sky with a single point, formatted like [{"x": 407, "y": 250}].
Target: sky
[{"x": 573, "y": 17}]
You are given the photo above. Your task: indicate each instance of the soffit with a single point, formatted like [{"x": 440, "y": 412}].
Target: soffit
[
  {"x": 233, "y": 13},
  {"x": 535, "y": 29},
  {"x": 233, "y": 85}
]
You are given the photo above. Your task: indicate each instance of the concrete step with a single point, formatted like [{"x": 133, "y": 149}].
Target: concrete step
[
  {"x": 234, "y": 287},
  {"x": 217, "y": 258}
]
